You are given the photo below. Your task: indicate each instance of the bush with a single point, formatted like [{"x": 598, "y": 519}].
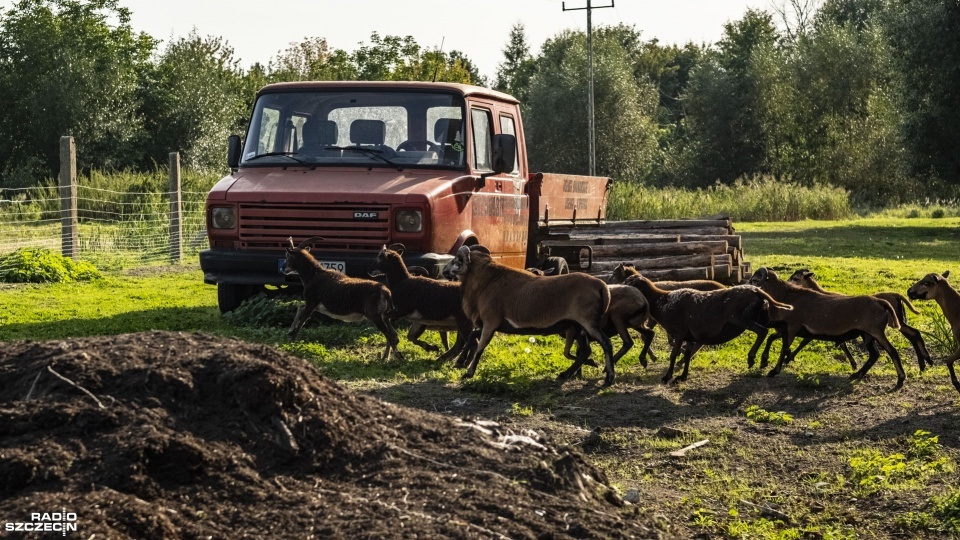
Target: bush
[{"x": 39, "y": 265}]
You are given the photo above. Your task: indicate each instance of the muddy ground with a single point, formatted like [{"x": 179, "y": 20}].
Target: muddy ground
[{"x": 171, "y": 435}]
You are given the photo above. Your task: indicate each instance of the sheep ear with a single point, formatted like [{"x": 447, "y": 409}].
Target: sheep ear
[
  {"x": 946, "y": 274},
  {"x": 464, "y": 254},
  {"x": 396, "y": 247},
  {"x": 809, "y": 275}
]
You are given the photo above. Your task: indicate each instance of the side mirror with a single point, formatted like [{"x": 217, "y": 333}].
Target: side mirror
[
  {"x": 504, "y": 153},
  {"x": 504, "y": 156},
  {"x": 233, "y": 151}
]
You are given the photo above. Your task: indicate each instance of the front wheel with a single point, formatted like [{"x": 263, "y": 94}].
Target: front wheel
[{"x": 231, "y": 295}]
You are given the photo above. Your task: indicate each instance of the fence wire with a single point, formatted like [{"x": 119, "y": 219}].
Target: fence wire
[{"x": 115, "y": 228}]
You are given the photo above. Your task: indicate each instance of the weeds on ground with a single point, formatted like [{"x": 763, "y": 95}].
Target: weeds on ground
[
  {"x": 761, "y": 416},
  {"x": 871, "y": 470}
]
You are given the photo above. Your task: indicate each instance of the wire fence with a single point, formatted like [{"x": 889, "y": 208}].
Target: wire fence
[{"x": 123, "y": 219}]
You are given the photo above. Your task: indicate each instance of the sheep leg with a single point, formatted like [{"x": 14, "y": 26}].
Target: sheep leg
[
  {"x": 646, "y": 336},
  {"x": 761, "y": 332},
  {"x": 393, "y": 342},
  {"x": 597, "y": 335},
  {"x": 583, "y": 355},
  {"x": 953, "y": 375},
  {"x": 674, "y": 352},
  {"x": 469, "y": 346},
  {"x": 303, "y": 315},
  {"x": 915, "y": 339},
  {"x": 765, "y": 357},
  {"x": 627, "y": 341},
  {"x": 646, "y": 332},
  {"x": 881, "y": 340},
  {"x": 458, "y": 346},
  {"x": 444, "y": 340},
  {"x": 787, "y": 338},
  {"x": 692, "y": 349},
  {"x": 570, "y": 336},
  {"x": 413, "y": 336},
  {"x": 846, "y": 351},
  {"x": 485, "y": 336}
]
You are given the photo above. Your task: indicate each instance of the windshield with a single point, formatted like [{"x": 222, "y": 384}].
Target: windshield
[{"x": 351, "y": 128}]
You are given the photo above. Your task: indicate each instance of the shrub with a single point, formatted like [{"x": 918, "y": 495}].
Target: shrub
[{"x": 39, "y": 265}]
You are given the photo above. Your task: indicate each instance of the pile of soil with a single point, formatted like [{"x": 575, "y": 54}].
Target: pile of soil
[{"x": 163, "y": 435}]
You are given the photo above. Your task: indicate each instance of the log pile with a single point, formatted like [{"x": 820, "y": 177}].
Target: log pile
[{"x": 681, "y": 250}]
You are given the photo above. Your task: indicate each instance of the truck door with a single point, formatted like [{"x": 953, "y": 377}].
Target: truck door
[{"x": 500, "y": 209}]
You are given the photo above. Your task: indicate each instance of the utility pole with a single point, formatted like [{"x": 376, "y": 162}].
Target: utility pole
[{"x": 590, "y": 128}]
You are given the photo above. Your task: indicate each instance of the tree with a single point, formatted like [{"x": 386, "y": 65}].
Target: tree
[
  {"x": 726, "y": 136},
  {"x": 386, "y": 58},
  {"x": 625, "y": 131},
  {"x": 195, "y": 99},
  {"x": 926, "y": 55},
  {"x": 69, "y": 67},
  {"x": 518, "y": 66}
]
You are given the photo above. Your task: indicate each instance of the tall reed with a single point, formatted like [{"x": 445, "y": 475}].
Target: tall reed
[{"x": 756, "y": 199}]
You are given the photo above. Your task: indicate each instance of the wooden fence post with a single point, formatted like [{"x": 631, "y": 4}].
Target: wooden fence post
[
  {"x": 69, "y": 237},
  {"x": 176, "y": 233}
]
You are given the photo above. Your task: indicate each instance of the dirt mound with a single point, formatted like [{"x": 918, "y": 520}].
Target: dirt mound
[{"x": 161, "y": 435}]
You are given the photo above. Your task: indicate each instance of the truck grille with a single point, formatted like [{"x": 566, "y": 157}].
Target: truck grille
[{"x": 268, "y": 226}]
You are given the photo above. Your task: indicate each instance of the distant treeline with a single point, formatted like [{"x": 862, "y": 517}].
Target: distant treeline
[{"x": 855, "y": 94}]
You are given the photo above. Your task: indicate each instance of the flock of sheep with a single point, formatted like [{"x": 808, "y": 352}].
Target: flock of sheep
[{"x": 483, "y": 297}]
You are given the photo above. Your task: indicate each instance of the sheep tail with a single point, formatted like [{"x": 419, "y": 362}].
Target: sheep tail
[
  {"x": 906, "y": 301},
  {"x": 779, "y": 305},
  {"x": 892, "y": 320}
]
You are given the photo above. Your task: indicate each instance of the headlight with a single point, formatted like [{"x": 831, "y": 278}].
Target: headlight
[
  {"x": 409, "y": 221},
  {"x": 223, "y": 217}
]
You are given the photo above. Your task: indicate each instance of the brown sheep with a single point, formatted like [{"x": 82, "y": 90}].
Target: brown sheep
[
  {"x": 805, "y": 278},
  {"x": 421, "y": 300},
  {"x": 496, "y": 295},
  {"x": 830, "y": 318},
  {"x": 338, "y": 296},
  {"x": 936, "y": 287}
]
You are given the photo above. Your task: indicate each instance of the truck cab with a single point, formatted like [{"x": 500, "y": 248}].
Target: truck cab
[{"x": 433, "y": 166}]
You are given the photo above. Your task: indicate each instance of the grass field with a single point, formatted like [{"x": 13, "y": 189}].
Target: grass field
[{"x": 806, "y": 454}]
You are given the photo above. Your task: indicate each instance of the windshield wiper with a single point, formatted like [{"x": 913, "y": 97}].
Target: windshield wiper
[
  {"x": 281, "y": 154},
  {"x": 375, "y": 152}
]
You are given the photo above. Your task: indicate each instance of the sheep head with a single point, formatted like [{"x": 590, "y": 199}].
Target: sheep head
[
  {"x": 298, "y": 255},
  {"x": 801, "y": 276},
  {"x": 763, "y": 275},
  {"x": 460, "y": 264},
  {"x": 388, "y": 259},
  {"x": 925, "y": 289}
]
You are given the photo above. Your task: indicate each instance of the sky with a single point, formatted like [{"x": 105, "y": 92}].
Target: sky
[{"x": 257, "y": 29}]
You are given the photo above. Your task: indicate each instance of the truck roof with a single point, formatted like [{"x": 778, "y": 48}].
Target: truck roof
[{"x": 462, "y": 89}]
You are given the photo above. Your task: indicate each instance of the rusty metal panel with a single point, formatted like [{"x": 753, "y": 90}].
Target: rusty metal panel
[{"x": 565, "y": 197}]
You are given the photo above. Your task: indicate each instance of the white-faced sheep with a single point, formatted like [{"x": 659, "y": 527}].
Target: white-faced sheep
[
  {"x": 696, "y": 318},
  {"x": 422, "y": 300},
  {"x": 936, "y": 287},
  {"x": 495, "y": 294},
  {"x": 830, "y": 318},
  {"x": 338, "y": 296},
  {"x": 805, "y": 278}
]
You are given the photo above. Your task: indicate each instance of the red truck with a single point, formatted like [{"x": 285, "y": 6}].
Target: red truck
[{"x": 433, "y": 166}]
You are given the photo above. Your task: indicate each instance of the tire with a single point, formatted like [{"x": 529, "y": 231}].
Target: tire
[
  {"x": 231, "y": 295},
  {"x": 554, "y": 266}
]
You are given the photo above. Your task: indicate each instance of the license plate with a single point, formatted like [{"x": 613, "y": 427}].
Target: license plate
[{"x": 339, "y": 266}]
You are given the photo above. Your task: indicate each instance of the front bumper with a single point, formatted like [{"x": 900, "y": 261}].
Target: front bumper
[{"x": 236, "y": 266}]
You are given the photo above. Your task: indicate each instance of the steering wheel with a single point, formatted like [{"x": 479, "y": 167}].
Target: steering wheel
[{"x": 418, "y": 146}]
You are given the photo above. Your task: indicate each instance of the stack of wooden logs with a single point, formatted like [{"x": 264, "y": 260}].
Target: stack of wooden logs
[{"x": 679, "y": 250}]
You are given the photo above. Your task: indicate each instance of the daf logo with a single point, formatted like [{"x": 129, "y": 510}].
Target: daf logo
[{"x": 366, "y": 215}]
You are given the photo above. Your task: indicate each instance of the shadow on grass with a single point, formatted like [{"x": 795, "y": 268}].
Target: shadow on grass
[{"x": 193, "y": 319}]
